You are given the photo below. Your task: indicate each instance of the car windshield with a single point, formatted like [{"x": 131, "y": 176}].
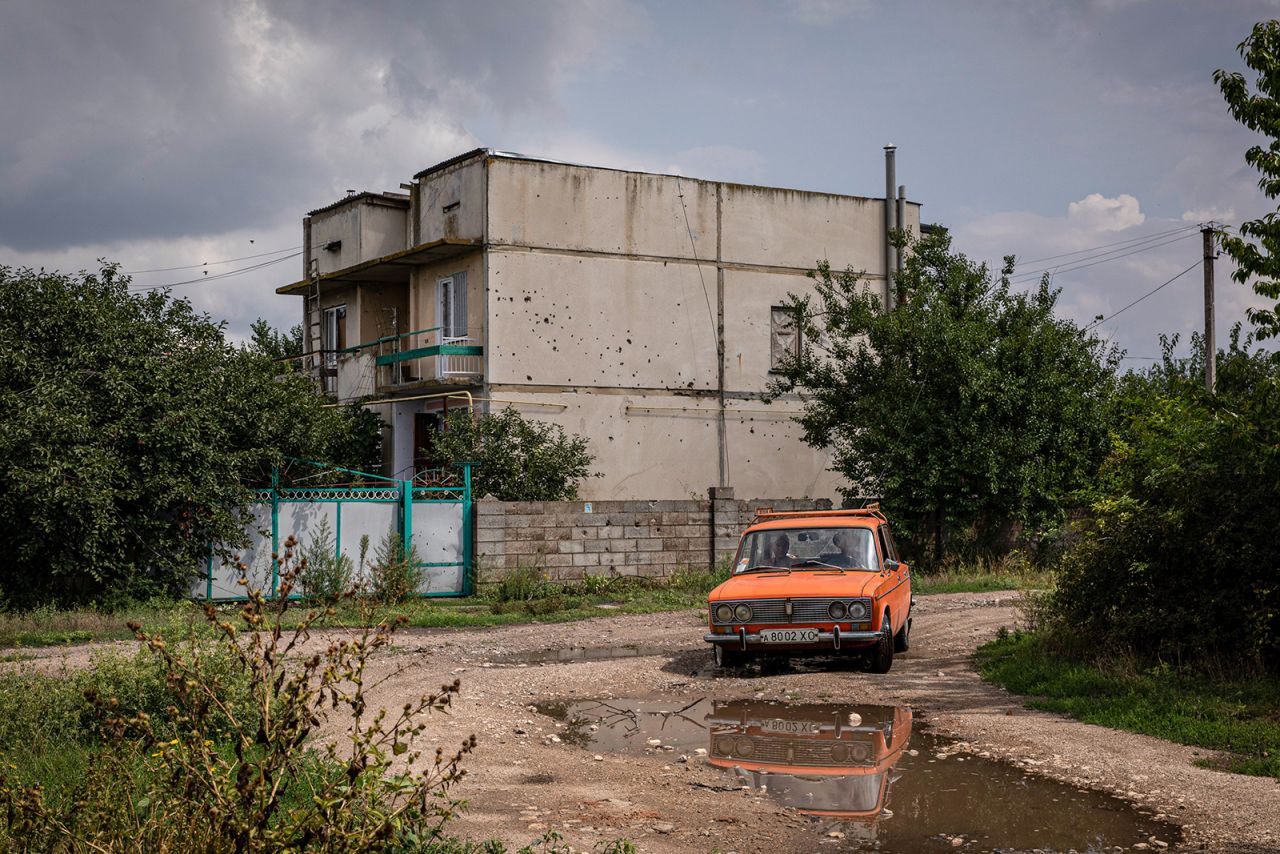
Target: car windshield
[{"x": 808, "y": 548}]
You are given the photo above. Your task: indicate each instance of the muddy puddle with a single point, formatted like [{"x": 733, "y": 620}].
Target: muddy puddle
[{"x": 862, "y": 774}]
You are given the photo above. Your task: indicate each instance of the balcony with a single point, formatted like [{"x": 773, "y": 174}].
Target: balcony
[{"x": 424, "y": 357}]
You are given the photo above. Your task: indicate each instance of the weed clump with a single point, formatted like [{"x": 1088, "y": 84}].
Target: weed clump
[{"x": 219, "y": 749}]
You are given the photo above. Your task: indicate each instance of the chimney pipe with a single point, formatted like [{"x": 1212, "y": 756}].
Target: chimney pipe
[
  {"x": 902, "y": 220},
  {"x": 890, "y": 223}
]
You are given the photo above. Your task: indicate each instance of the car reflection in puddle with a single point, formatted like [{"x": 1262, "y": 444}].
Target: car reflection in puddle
[
  {"x": 832, "y": 762},
  {"x": 851, "y": 769}
]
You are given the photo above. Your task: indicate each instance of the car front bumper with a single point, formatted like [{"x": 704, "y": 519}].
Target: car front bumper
[{"x": 834, "y": 639}]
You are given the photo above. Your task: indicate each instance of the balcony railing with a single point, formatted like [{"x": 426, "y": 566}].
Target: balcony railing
[{"x": 423, "y": 356}]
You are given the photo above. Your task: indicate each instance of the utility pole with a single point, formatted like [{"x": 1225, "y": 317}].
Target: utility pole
[{"x": 1210, "y": 346}]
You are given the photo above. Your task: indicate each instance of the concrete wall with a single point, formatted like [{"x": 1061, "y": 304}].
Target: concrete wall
[
  {"x": 578, "y": 320},
  {"x": 424, "y": 299},
  {"x": 600, "y": 319},
  {"x": 452, "y": 203},
  {"x": 651, "y": 538},
  {"x": 367, "y": 227},
  {"x": 552, "y": 205},
  {"x": 667, "y": 445}
]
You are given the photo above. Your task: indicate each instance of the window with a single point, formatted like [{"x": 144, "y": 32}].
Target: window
[
  {"x": 784, "y": 337},
  {"x": 333, "y": 337},
  {"x": 453, "y": 306},
  {"x": 840, "y": 548}
]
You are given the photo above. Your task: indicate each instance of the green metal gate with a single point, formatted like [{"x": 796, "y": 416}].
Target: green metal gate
[{"x": 437, "y": 520}]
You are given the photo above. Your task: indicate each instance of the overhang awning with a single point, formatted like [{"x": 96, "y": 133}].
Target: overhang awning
[{"x": 389, "y": 268}]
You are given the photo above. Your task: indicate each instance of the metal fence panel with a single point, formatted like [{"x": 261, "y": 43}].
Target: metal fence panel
[
  {"x": 374, "y": 519},
  {"x": 437, "y": 535},
  {"x": 221, "y": 579}
]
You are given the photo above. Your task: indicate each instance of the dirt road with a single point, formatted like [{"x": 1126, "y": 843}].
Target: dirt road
[{"x": 526, "y": 778}]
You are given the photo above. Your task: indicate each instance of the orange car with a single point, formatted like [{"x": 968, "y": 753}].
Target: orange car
[{"x": 820, "y": 582}]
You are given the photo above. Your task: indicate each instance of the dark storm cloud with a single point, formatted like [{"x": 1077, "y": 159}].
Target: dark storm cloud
[{"x": 159, "y": 119}]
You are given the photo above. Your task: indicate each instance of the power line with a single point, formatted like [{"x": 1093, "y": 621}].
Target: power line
[
  {"x": 228, "y": 274},
  {"x": 208, "y": 263},
  {"x": 1091, "y": 261},
  {"x": 1107, "y": 245},
  {"x": 1144, "y": 296}
]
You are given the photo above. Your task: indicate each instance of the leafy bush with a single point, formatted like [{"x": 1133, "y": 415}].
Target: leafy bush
[
  {"x": 130, "y": 433},
  {"x": 1180, "y": 559},
  {"x": 516, "y": 459},
  {"x": 394, "y": 573},
  {"x": 216, "y": 775}
]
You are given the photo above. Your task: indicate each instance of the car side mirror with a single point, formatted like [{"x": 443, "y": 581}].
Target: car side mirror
[{"x": 891, "y": 564}]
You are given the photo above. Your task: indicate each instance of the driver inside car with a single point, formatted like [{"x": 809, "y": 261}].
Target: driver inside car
[
  {"x": 778, "y": 552},
  {"x": 843, "y": 557}
]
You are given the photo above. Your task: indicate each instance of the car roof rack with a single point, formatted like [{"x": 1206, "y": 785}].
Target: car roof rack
[{"x": 871, "y": 511}]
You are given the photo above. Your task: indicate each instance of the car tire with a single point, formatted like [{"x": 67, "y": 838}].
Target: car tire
[
  {"x": 728, "y": 659},
  {"x": 902, "y": 640},
  {"x": 882, "y": 656}
]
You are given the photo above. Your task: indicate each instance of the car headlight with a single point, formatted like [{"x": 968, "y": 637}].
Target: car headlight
[
  {"x": 745, "y": 747},
  {"x": 742, "y": 613},
  {"x": 724, "y": 746},
  {"x": 836, "y": 610},
  {"x": 724, "y": 613},
  {"x": 857, "y": 610},
  {"x": 840, "y": 752}
]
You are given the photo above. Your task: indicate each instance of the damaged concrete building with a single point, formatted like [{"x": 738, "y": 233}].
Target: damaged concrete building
[{"x": 643, "y": 311}]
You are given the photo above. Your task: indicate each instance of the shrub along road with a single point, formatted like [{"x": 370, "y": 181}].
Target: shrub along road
[{"x": 521, "y": 782}]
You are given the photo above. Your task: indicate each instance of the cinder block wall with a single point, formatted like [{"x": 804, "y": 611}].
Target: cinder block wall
[{"x": 644, "y": 538}]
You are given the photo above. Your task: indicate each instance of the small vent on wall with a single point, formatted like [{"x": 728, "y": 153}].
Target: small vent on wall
[
  {"x": 453, "y": 206},
  {"x": 333, "y": 246}
]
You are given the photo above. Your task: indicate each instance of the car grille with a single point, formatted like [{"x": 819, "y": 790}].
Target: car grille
[
  {"x": 770, "y": 611},
  {"x": 794, "y": 751}
]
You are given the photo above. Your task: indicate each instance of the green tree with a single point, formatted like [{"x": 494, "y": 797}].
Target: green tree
[
  {"x": 968, "y": 407},
  {"x": 515, "y": 459},
  {"x": 1184, "y": 517},
  {"x": 1256, "y": 250},
  {"x": 278, "y": 346},
  {"x": 131, "y": 434}
]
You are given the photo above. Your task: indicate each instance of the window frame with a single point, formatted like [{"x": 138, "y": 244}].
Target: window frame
[
  {"x": 448, "y": 289},
  {"x": 794, "y": 314}
]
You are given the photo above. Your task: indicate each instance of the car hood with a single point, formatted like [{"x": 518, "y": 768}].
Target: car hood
[{"x": 797, "y": 584}]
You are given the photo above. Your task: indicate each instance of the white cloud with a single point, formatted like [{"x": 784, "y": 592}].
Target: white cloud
[
  {"x": 1213, "y": 212},
  {"x": 1096, "y": 212}
]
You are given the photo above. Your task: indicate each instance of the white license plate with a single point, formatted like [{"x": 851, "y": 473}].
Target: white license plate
[
  {"x": 791, "y": 727},
  {"x": 788, "y": 635}
]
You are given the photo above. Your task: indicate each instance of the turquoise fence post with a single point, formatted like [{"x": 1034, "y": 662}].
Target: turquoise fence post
[
  {"x": 406, "y": 515},
  {"x": 275, "y": 529},
  {"x": 468, "y": 565}
]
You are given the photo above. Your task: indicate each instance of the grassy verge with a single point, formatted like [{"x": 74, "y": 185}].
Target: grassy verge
[
  {"x": 522, "y": 596},
  {"x": 1234, "y": 714}
]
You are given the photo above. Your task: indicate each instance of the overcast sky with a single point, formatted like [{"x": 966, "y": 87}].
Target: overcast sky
[{"x": 161, "y": 133}]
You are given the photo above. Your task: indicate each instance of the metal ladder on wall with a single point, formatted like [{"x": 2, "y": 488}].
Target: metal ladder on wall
[{"x": 314, "y": 363}]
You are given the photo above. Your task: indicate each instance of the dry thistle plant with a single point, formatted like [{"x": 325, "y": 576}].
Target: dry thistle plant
[{"x": 247, "y": 774}]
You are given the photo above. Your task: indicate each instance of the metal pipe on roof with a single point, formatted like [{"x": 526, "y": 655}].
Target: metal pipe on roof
[
  {"x": 902, "y": 220},
  {"x": 890, "y": 223}
]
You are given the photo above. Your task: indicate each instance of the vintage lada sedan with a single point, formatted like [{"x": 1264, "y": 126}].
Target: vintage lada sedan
[{"x": 821, "y": 582}]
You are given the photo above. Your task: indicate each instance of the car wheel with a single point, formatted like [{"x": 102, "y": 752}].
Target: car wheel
[
  {"x": 882, "y": 657},
  {"x": 727, "y": 659},
  {"x": 902, "y": 640}
]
